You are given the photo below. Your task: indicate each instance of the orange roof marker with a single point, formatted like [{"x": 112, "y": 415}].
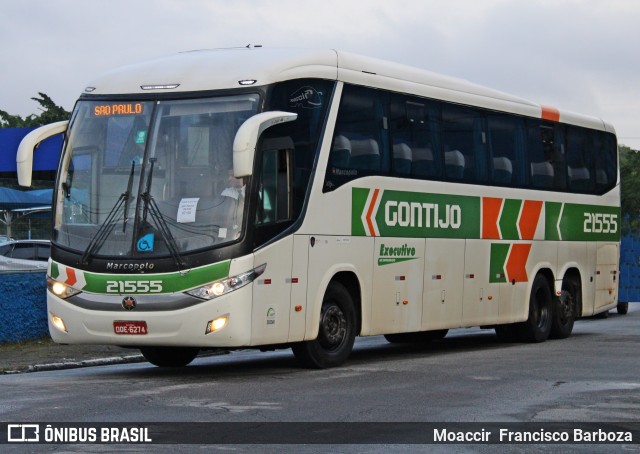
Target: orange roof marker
[{"x": 550, "y": 113}]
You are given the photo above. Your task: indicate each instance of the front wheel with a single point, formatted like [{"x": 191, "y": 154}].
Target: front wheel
[
  {"x": 169, "y": 356},
  {"x": 538, "y": 326},
  {"x": 336, "y": 334}
]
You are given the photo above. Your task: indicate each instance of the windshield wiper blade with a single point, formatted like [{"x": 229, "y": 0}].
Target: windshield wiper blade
[
  {"x": 128, "y": 198},
  {"x": 150, "y": 206},
  {"x": 108, "y": 225}
]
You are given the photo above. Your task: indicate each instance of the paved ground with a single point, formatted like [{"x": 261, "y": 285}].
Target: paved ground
[{"x": 47, "y": 355}]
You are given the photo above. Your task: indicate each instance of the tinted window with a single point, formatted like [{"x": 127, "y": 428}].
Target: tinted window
[
  {"x": 606, "y": 160},
  {"x": 464, "y": 139},
  {"x": 411, "y": 137},
  {"x": 44, "y": 252},
  {"x": 415, "y": 128},
  {"x": 545, "y": 158},
  {"x": 310, "y": 99},
  {"x": 24, "y": 251},
  {"x": 579, "y": 147},
  {"x": 506, "y": 149},
  {"x": 360, "y": 145}
]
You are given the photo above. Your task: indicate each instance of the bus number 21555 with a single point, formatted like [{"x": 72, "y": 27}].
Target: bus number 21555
[
  {"x": 600, "y": 223},
  {"x": 134, "y": 286}
]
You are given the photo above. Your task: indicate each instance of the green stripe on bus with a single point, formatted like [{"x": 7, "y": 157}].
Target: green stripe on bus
[
  {"x": 509, "y": 219},
  {"x": 499, "y": 252},
  {"x": 155, "y": 283}
]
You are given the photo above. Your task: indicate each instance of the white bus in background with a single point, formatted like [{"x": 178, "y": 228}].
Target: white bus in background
[{"x": 278, "y": 198}]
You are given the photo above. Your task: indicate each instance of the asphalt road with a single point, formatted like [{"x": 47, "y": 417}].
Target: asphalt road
[{"x": 594, "y": 376}]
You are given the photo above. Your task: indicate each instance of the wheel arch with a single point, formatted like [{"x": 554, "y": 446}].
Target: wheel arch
[
  {"x": 548, "y": 274},
  {"x": 352, "y": 284},
  {"x": 346, "y": 275}
]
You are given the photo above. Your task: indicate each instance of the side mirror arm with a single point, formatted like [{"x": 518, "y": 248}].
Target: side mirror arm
[
  {"x": 24, "y": 157},
  {"x": 246, "y": 140}
]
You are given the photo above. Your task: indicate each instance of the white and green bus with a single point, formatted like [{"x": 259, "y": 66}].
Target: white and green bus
[{"x": 276, "y": 198}]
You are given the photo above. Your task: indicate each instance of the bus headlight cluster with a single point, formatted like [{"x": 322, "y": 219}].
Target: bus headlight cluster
[
  {"x": 224, "y": 286},
  {"x": 60, "y": 289}
]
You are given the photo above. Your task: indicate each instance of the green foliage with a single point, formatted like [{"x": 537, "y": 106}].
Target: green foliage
[
  {"x": 51, "y": 113},
  {"x": 630, "y": 188}
]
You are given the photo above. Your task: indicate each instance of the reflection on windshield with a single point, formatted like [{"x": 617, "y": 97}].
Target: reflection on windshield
[{"x": 199, "y": 203}]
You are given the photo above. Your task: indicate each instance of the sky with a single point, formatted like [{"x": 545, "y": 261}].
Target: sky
[{"x": 577, "y": 55}]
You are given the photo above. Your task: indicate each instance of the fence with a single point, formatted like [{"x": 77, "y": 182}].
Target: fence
[{"x": 23, "y": 306}]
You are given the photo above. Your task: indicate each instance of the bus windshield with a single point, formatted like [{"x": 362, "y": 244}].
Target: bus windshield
[{"x": 151, "y": 178}]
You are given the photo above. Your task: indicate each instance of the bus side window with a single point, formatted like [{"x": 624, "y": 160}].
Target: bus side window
[
  {"x": 506, "y": 149},
  {"x": 274, "y": 185},
  {"x": 360, "y": 143},
  {"x": 605, "y": 155},
  {"x": 414, "y": 128},
  {"x": 579, "y": 145},
  {"x": 545, "y": 150},
  {"x": 464, "y": 139}
]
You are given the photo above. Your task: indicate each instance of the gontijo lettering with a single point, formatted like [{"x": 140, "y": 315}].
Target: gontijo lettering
[{"x": 414, "y": 214}]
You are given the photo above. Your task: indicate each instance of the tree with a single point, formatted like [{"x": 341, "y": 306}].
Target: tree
[
  {"x": 630, "y": 187},
  {"x": 51, "y": 113}
]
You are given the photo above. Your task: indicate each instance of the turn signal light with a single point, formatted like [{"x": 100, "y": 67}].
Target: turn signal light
[{"x": 217, "y": 324}]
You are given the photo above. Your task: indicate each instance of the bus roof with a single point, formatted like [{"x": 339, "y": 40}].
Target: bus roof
[{"x": 204, "y": 70}]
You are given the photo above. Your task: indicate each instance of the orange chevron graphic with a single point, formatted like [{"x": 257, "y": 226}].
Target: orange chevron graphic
[
  {"x": 71, "y": 277},
  {"x": 370, "y": 213},
  {"x": 498, "y": 215},
  {"x": 490, "y": 213},
  {"x": 517, "y": 262},
  {"x": 529, "y": 217}
]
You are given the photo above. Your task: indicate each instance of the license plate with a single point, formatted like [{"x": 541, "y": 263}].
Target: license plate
[{"x": 130, "y": 327}]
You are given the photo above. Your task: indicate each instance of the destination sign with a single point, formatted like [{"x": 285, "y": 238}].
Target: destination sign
[{"x": 130, "y": 108}]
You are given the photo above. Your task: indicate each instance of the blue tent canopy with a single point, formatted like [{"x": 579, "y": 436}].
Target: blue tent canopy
[
  {"x": 45, "y": 157},
  {"x": 13, "y": 199}
]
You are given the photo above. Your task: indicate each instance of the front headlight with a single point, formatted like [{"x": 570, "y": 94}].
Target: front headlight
[
  {"x": 59, "y": 289},
  {"x": 224, "y": 286}
]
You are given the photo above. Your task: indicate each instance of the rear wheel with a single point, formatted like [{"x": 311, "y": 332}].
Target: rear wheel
[
  {"x": 336, "y": 334},
  {"x": 169, "y": 356},
  {"x": 564, "y": 311},
  {"x": 538, "y": 326}
]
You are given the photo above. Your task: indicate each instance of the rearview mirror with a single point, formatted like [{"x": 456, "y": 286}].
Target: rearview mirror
[{"x": 245, "y": 142}]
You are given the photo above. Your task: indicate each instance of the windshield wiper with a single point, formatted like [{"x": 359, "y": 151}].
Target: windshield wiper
[
  {"x": 108, "y": 225},
  {"x": 150, "y": 206}
]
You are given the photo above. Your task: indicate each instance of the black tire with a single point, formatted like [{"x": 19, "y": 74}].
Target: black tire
[
  {"x": 169, "y": 356},
  {"x": 336, "y": 333},
  {"x": 417, "y": 337},
  {"x": 565, "y": 310},
  {"x": 623, "y": 308},
  {"x": 538, "y": 326}
]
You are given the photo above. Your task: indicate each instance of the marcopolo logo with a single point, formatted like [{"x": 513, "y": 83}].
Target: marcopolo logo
[{"x": 389, "y": 255}]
